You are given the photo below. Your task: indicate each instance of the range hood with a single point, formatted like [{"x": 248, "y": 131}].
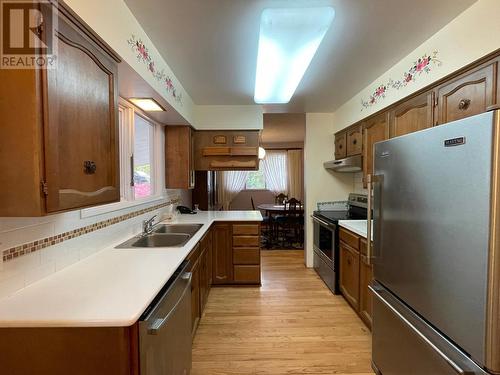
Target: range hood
[{"x": 351, "y": 164}]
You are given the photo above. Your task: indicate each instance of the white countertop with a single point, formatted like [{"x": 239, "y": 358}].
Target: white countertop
[
  {"x": 359, "y": 227},
  {"x": 111, "y": 288}
]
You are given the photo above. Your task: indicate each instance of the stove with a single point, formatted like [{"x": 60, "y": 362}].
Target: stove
[{"x": 326, "y": 233}]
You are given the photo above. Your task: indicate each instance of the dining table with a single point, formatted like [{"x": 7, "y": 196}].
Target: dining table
[{"x": 275, "y": 209}]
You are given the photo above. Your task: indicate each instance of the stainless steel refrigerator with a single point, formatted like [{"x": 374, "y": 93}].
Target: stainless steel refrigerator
[{"x": 436, "y": 253}]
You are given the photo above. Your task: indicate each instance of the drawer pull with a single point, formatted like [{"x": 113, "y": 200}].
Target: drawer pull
[
  {"x": 89, "y": 167},
  {"x": 464, "y": 104}
]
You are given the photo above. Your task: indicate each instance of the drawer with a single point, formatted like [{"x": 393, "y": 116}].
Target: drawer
[
  {"x": 349, "y": 238},
  {"x": 246, "y": 229},
  {"x": 246, "y": 241},
  {"x": 246, "y": 255},
  {"x": 362, "y": 246},
  {"x": 247, "y": 274}
]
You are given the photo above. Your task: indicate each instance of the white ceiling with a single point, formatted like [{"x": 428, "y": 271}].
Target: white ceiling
[{"x": 211, "y": 45}]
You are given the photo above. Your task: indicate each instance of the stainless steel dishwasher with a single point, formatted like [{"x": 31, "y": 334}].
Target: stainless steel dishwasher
[{"x": 165, "y": 329}]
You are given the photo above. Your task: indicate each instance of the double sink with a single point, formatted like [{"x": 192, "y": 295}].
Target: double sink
[{"x": 163, "y": 235}]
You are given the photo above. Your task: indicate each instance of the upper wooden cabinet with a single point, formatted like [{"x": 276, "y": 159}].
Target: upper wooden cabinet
[
  {"x": 354, "y": 140},
  {"x": 469, "y": 94},
  {"x": 375, "y": 129},
  {"x": 412, "y": 115},
  {"x": 179, "y": 161},
  {"x": 59, "y": 138},
  {"x": 226, "y": 150},
  {"x": 340, "y": 145}
]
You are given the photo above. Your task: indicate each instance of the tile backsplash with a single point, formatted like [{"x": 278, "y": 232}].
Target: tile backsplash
[
  {"x": 358, "y": 184},
  {"x": 34, "y": 248}
]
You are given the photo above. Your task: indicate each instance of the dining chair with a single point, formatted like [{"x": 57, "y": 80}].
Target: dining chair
[
  {"x": 280, "y": 198},
  {"x": 266, "y": 226},
  {"x": 290, "y": 224}
]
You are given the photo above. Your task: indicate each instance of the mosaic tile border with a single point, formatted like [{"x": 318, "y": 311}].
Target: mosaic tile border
[{"x": 30, "y": 247}]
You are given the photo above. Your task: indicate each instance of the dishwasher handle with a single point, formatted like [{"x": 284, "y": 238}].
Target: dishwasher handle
[{"x": 158, "y": 323}]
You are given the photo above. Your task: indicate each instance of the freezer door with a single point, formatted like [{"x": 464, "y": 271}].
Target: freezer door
[
  {"x": 403, "y": 344},
  {"x": 431, "y": 225}
]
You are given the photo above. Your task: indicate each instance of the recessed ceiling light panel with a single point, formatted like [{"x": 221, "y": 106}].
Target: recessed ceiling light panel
[
  {"x": 288, "y": 40},
  {"x": 147, "y": 104}
]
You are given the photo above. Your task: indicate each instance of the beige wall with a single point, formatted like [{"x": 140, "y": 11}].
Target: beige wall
[
  {"x": 320, "y": 184},
  {"x": 470, "y": 36}
]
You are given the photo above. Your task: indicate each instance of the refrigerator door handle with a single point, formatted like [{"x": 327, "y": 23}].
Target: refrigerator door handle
[
  {"x": 371, "y": 180},
  {"x": 400, "y": 316}
]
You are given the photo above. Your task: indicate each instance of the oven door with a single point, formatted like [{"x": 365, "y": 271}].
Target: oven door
[{"x": 324, "y": 239}]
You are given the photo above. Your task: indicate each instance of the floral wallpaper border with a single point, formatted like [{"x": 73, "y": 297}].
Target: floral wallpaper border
[
  {"x": 424, "y": 64},
  {"x": 143, "y": 56}
]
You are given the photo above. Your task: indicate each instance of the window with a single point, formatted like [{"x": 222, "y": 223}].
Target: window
[
  {"x": 139, "y": 164},
  {"x": 142, "y": 157},
  {"x": 256, "y": 179}
]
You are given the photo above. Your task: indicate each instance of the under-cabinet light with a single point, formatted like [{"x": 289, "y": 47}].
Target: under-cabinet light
[
  {"x": 147, "y": 104},
  {"x": 288, "y": 40}
]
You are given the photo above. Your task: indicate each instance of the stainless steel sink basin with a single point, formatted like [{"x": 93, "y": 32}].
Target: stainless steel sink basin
[
  {"x": 190, "y": 229},
  {"x": 156, "y": 240}
]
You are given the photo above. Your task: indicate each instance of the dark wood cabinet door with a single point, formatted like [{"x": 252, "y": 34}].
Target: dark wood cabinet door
[
  {"x": 81, "y": 124},
  {"x": 210, "y": 247},
  {"x": 340, "y": 145},
  {"x": 365, "y": 295},
  {"x": 354, "y": 140},
  {"x": 412, "y": 115},
  {"x": 179, "y": 162},
  {"x": 349, "y": 275},
  {"x": 203, "y": 279},
  {"x": 470, "y": 94},
  {"x": 222, "y": 264},
  {"x": 375, "y": 130}
]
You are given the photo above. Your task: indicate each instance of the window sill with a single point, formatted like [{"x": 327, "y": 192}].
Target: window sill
[{"x": 112, "y": 207}]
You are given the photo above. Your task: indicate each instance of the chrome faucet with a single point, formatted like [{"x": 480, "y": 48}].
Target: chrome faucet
[{"x": 147, "y": 226}]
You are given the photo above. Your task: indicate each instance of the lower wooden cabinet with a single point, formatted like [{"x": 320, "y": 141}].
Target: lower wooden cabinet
[
  {"x": 349, "y": 274},
  {"x": 222, "y": 254},
  {"x": 228, "y": 254},
  {"x": 356, "y": 274}
]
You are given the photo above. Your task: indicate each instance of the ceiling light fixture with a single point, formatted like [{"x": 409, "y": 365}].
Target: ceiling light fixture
[
  {"x": 288, "y": 40},
  {"x": 147, "y": 104}
]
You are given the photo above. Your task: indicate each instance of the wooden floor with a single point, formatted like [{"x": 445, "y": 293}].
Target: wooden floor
[{"x": 291, "y": 325}]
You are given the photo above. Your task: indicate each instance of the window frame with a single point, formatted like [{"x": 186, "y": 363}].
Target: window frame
[{"x": 126, "y": 113}]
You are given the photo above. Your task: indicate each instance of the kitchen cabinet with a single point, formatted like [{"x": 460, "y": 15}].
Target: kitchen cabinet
[
  {"x": 349, "y": 274},
  {"x": 246, "y": 253},
  {"x": 226, "y": 150},
  {"x": 59, "y": 138},
  {"x": 354, "y": 140},
  {"x": 412, "y": 115},
  {"x": 365, "y": 279},
  {"x": 222, "y": 257},
  {"x": 355, "y": 274},
  {"x": 375, "y": 129},
  {"x": 340, "y": 145},
  {"x": 469, "y": 94},
  {"x": 179, "y": 160}
]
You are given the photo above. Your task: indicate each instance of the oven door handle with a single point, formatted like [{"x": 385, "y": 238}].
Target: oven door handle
[{"x": 326, "y": 224}]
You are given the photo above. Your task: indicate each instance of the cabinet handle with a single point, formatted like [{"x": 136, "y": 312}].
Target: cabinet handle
[
  {"x": 89, "y": 167},
  {"x": 464, "y": 104}
]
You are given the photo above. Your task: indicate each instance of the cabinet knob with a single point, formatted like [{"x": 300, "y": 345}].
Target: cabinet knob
[
  {"x": 340, "y": 147},
  {"x": 89, "y": 167},
  {"x": 354, "y": 141},
  {"x": 464, "y": 104}
]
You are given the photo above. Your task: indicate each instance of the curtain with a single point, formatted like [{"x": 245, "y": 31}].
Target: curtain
[
  {"x": 275, "y": 171},
  {"x": 229, "y": 184},
  {"x": 295, "y": 174}
]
